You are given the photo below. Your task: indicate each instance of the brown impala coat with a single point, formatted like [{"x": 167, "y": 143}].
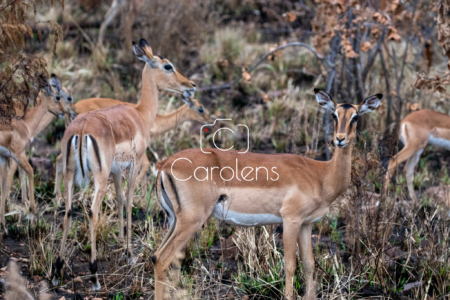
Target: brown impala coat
[
  {"x": 416, "y": 131},
  {"x": 63, "y": 97},
  {"x": 113, "y": 140},
  {"x": 257, "y": 189},
  {"x": 191, "y": 111},
  {"x": 14, "y": 140}
]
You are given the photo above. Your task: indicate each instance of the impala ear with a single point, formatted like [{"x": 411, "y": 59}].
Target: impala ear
[
  {"x": 55, "y": 83},
  {"x": 146, "y": 46},
  {"x": 325, "y": 100},
  {"x": 44, "y": 85},
  {"x": 370, "y": 103},
  {"x": 144, "y": 52}
]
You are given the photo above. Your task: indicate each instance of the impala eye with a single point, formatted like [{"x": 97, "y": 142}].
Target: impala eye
[
  {"x": 355, "y": 118},
  {"x": 69, "y": 98},
  {"x": 168, "y": 67},
  {"x": 201, "y": 110},
  {"x": 334, "y": 116},
  {"x": 58, "y": 98}
]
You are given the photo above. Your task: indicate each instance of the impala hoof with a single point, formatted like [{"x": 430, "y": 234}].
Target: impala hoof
[
  {"x": 55, "y": 282},
  {"x": 96, "y": 287}
]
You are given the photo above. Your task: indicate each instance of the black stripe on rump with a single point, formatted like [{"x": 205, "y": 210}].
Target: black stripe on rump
[
  {"x": 175, "y": 191},
  {"x": 80, "y": 157},
  {"x": 97, "y": 151}
]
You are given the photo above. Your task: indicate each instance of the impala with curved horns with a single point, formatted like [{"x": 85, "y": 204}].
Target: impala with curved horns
[
  {"x": 250, "y": 189},
  {"x": 113, "y": 140},
  {"x": 417, "y": 130}
]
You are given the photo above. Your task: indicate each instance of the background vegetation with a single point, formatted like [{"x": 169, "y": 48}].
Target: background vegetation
[{"x": 357, "y": 48}]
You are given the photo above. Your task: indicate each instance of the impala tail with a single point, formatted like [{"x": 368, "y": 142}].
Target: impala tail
[
  {"x": 166, "y": 191},
  {"x": 84, "y": 151}
]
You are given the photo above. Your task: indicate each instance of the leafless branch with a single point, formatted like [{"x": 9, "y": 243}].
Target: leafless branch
[{"x": 237, "y": 79}]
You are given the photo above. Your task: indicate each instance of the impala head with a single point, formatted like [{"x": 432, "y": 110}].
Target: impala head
[
  {"x": 346, "y": 115},
  {"x": 196, "y": 111},
  {"x": 166, "y": 76},
  {"x": 63, "y": 96},
  {"x": 51, "y": 98}
]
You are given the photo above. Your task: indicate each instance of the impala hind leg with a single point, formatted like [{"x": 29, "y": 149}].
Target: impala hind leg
[
  {"x": 400, "y": 157},
  {"x": 166, "y": 254},
  {"x": 4, "y": 182},
  {"x": 68, "y": 188},
  {"x": 307, "y": 256},
  {"x": 291, "y": 229},
  {"x": 99, "y": 193},
  {"x": 410, "y": 166}
]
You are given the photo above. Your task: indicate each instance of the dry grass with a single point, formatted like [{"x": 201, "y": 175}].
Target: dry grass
[{"x": 361, "y": 250}]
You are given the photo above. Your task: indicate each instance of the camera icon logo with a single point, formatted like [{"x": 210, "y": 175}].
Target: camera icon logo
[{"x": 218, "y": 130}]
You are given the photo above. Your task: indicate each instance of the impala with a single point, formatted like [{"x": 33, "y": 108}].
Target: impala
[
  {"x": 416, "y": 131},
  {"x": 14, "y": 140},
  {"x": 113, "y": 140},
  {"x": 192, "y": 110},
  {"x": 193, "y": 185},
  {"x": 62, "y": 96}
]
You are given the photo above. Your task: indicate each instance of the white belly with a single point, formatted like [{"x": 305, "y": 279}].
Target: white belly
[
  {"x": 313, "y": 221},
  {"x": 439, "y": 142},
  {"x": 121, "y": 166},
  {"x": 242, "y": 219}
]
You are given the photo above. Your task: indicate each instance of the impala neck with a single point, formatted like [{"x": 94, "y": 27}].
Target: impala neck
[
  {"x": 148, "y": 105},
  {"x": 45, "y": 120},
  {"x": 339, "y": 173},
  {"x": 35, "y": 115},
  {"x": 164, "y": 123}
]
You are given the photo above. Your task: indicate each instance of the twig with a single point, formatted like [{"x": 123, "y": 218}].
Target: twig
[
  {"x": 6, "y": 5},
  {"x": 237, "y": 79}
]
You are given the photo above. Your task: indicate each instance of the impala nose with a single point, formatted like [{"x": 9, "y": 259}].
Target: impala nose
[{"x": 340, "y": 142}]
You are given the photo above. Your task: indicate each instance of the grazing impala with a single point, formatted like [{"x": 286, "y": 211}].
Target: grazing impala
[
  {"x": 65, "y": 99},
  {"x": 416, "y": 131},
  {"x": 14, "y": 140},
  {"x": 113, "y": 140},
  {"x": 250, "y": 189},
  {"x": 192, "y": 110}
]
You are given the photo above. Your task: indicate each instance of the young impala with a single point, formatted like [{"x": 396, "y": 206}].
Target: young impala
[
  {"x": 192, "y": 110},
  {"x": 14, "y": 140},
  {"x": 416, "y": 131},
  {"x": 250, "y": 189},
  {"x": 113, "y": 140},
  {"x": 62, "y": 96}
]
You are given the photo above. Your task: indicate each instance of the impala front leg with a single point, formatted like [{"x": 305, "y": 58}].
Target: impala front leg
[
  {"x": 11, "y": 170},
  {"x": 306, "y": 253},
  {"x": 58, "y": 177},
  {"x": 23, "y": 163},
  {"x": 291, "y": 229}
]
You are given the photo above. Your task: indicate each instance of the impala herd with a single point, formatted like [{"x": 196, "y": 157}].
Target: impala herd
[{"x": 106, "y": 137}]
